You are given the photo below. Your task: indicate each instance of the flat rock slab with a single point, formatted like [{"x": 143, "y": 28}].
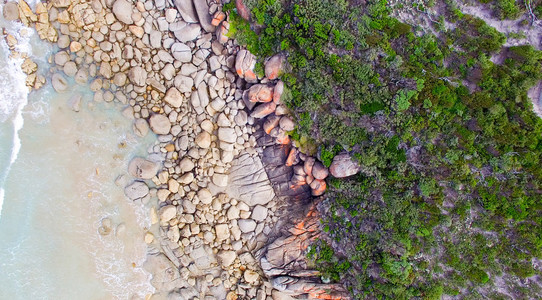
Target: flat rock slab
[{"x": 248, "y": 181}]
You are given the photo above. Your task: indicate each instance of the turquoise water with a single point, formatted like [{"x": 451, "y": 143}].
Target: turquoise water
[{"x": 57, "y": 174}]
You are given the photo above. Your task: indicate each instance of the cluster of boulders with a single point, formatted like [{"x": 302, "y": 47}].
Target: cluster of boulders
[
  {"x": 263, "y": 98},
  {"x": 173, "y": 68},
  {"x": 11, "y": 12},
  {"x": 178, "y": 76}
]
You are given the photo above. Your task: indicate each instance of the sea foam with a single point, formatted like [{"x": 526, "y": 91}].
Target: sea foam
[{"x": 13, "y": 91}]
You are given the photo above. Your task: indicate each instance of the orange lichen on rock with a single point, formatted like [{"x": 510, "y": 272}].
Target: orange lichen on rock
[
  {"x": 218, "y": 18},
  {"x": 291, "y": 157}
]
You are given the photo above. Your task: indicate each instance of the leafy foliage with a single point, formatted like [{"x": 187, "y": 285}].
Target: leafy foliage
[{"x": 450, "y": 149}]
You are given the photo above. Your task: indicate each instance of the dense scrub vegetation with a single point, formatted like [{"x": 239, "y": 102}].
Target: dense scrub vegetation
[{"x": 449, "y": 197}]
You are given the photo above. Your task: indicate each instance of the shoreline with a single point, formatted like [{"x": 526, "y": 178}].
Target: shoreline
[{"x": 215, "y": 202}]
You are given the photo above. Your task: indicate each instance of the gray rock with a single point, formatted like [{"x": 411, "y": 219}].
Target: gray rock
[
  {"x": 61, "y": 58},
  {"x": 246, "y": 225},
  {"x": 259, "y": 213},
  {"x": 160, "y": 124},
  {"x": 174, "y": 97},
  {"x": 60, "y": 84},
  {"x": 226, "y": 257},
  {"x": 181, "y": 52},
  {"x": 136, "y": 190},
  {"x": 11, "y": 11},
  {"x": 227, "y": 135},
  {"x": 249, "y": 181},
  {"x": 186, "y": 33},
  {"x": 184, "y": 83},
  {"x": 155, "y": 38},
  {"x": 202, "y": 10},
  {"x": 137, "y": 76},
  {"x": 123, "y": 11},
  {"x": 75, "y": 102},
  {"x": 70, "y": 68},
  {"x": 187, "y": 10},
  {"x": 142, "y": 168},
  {"x": 343, "y": 166},
  {"x": 203, "y": 95},
  {"x": 141, "y": 127},
  {"x": 81, "y": 77}
]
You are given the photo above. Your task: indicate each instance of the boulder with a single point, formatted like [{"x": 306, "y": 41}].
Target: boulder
[
  {"x": 187, "y": 10},
  {"x": 319, "y": 171},
  {"x": 186, "y": 165},
  {"x": 205, "y": 19},
  {"x": 273, "y": 67},
  {"x": 186, "y": 33},
  {"x": 205, "y": 196},
  {"x": 259, "y": 213},
  {"x": 203, "y": 140},
  {"x": 138, "y": 76},
  {"x": 136, "y": 190},
  {"x": 222, "y": 232},
  {"x": 244, "y": 63},
  {"x": 142, "y": 168},
  {"x": 260, "y": 93},
  {"x": 343, "y": 166},
  {"x": 174, "y": 97},
  {"x": 226, "y": 257},
  {"x": 160, "y": 124},
  {"x": 286, "y": 123},
  {"x": 181, "y": 52},
  {"x": 183, "y": 83},
  {"x": 227, "y": 134},
  {"x": 141, "y": 127},
  {"x": 247, "y": 225},
  {"x": 263, "y": 110},
  {"x": 11, "y": 11},
  {"x": 167, "y": 213},
  {"x": 123, "y": 11},
  {"x": 251, "y": 276},
  {"x": 318, "y": 187},
  {"x": 60, "y": 84},
  {"x": 242, "y": 9}
]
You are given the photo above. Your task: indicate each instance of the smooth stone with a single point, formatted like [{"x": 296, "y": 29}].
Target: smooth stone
[
  {"x": 205, "y": 196},
  {"x": 203, "y": 140},
  {"x": 259, "y": 213},
  {"x": 343, "y": 166},
  {"x": 246, "y": 225},
  {"x": 123, "y": 11},
  {"x": 136, "y": 190},
  {"x": 227, "y": 134},
  {"x": 181, "y": 52},
  {"x": 167, "y": 213},
  {"x": 174, "y": 97},
  {"x": 187, "y": 10},
  {"x": 142, "y": 168},
  {"x": 160, "y": 124},
  {"x": 141, "y": 127},
  {"x": 60, "y": 84}
]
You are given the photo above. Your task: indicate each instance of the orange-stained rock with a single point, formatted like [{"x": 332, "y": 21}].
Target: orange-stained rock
[
  {"x": 218, "y": 18},
  {"x": 277, "y": 92},
  {"x": 309, "y": 163},
  {"x": 244, "y": 63},
  {"x": 273, "y": 67},
  {"x": 291, "y": 157},
  {"x": 242, "y": 10},
  {"x": 222, "y": 33},
  {"x": 270, "y": 123},
  {"x": 250, "y": 76},
  {"x": 282, "y": 138},
  {"x": 263, "y": 110},
  {"x": 309, "y": 179},
  {"x": 260, "y": 93},
  {"x": 298, "y": 180},
  {"x": 318, "y": 187}
]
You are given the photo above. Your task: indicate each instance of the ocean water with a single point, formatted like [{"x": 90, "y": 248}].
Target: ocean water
[{"x": 57, "y": 174}]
